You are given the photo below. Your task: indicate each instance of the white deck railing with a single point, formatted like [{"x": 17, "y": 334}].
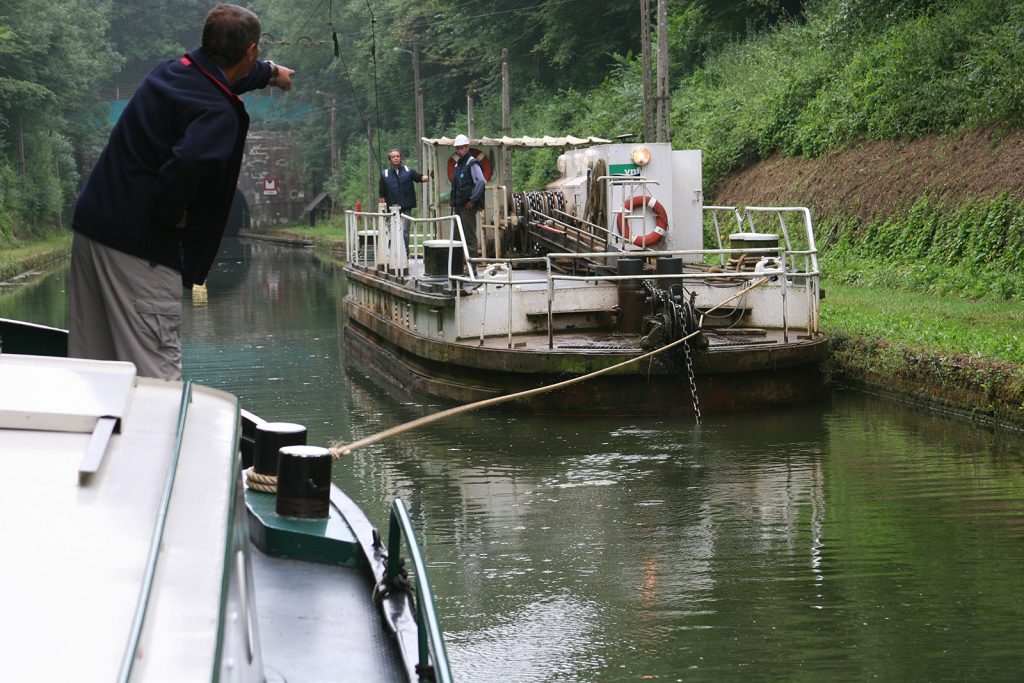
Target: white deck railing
[{"x": 790, "y": 264}]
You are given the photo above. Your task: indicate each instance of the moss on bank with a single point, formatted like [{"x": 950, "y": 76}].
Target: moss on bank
[{"x": 979, "y": 388}]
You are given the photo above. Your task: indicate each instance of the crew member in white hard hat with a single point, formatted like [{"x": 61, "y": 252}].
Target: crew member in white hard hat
[{"x": 467, "y": 194}]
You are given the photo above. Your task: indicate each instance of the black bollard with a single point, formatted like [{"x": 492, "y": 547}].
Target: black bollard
[
  {"x": 631, "y": 295},
  {"x": 304, "y": 482},
  {"x": 668, "y": 265},
  {"x": 270, "y": 438}
]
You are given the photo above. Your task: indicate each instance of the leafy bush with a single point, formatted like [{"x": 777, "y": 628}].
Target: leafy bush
[
  {"x": 975, "y": 251},
  {"x": 853, "y": 71}
]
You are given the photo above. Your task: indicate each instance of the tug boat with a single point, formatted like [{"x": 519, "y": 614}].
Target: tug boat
[
  {"x": 617, "y": 260},
  {"x": 137, "y": 551}
]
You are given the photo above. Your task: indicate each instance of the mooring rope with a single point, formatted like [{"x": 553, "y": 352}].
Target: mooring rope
[
  {"x": 260, "y": 482},
  {"x": 340, "y": 450}
]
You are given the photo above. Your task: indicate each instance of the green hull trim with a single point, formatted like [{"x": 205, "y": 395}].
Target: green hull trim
[{"x": 326, "y": 541}]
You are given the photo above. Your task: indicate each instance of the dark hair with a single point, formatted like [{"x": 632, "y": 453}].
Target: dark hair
[{"x": 228, "y": 32}]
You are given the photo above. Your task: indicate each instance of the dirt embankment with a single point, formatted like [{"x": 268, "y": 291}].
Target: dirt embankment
[
  {"x": 880, "y": 179},
  {"x": 883, "y": 179}
]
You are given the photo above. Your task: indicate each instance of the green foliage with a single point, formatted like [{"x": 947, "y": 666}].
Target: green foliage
[
  {"x": 698, "y": 28},
  {"x": 751, "y": 78},
  {"x": 8, "y": 200},
  {"x": 50, "y": 64},
  {"x": 854, "y": 70},
  {"x": 975, "y": 251}
]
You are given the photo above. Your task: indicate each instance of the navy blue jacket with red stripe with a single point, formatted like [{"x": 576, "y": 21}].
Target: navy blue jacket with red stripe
[{"x": 177, "y": 147}]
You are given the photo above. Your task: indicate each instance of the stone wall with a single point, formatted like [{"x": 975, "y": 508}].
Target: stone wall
[{"x": 269, "y": 179}]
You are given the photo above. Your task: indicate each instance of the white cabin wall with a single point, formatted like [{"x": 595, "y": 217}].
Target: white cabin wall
[{"x": 686, "y": 217}]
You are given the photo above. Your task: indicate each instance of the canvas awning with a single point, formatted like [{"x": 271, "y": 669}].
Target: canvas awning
[{"x": 522, "y": 142}]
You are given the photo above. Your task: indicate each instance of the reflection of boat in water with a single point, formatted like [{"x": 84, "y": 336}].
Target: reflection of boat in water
[
  {"x": 141, "y": 553},
  {"x": 616, "y": 258}
]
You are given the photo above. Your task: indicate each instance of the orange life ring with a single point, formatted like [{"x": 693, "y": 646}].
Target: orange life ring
[
  {"x": 485, "y": 163},
  {"x": 660, "y": 223}
]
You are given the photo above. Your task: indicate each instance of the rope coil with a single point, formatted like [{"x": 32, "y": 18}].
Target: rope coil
[{"x": 267, "y": 483}]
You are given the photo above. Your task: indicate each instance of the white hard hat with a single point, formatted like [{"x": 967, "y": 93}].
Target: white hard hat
[{"x": 461, "y": 140}]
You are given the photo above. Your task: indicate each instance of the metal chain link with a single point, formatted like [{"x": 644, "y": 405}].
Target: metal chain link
[
  {"x": 680, "y": 326},
  {"x": 693, "y": 381}
]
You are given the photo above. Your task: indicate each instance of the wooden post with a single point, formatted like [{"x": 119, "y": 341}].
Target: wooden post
[
  {"x": 664, "y": 129},
  {"x": 469, "y": 112},
  {"x": 645, "y": 63}
]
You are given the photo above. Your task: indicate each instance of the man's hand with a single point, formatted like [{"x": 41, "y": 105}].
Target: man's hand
[
  {"x": 425, "y": 178},
  {"x": 283, "y": 78},
  {"x": 469, "y": 205}
]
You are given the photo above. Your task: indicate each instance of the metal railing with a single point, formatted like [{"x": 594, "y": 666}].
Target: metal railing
[
  {"x": 783, "y": 265},
  {"x": 792, "y": 264},
  {"x": 380, "y": 243},
  {"x": 131, "y": 652},
  {"x": 433, "y": 655}
]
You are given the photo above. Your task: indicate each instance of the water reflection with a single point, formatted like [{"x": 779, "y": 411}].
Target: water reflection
[{"x": 854, "y": 539}]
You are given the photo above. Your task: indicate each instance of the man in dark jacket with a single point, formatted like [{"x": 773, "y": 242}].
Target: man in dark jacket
[
  {"x": 395, "y": 187},
  {"x": 150, "y": 218},
  {"x": 467, "y": 194}
]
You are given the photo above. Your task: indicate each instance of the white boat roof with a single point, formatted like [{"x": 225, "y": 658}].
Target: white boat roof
[
  {"x": 76, "y": 547},
  {"x": 522, "y": 142}
]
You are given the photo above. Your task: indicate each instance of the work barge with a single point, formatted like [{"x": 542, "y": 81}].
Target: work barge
[{"x": 617, "y": 267}]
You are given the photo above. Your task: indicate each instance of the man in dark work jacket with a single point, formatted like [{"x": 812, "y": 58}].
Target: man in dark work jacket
[
  {"x": 150, "y": 218},
  {"x": 395, "y": 187},
  {"x": 467, "y": 195}
]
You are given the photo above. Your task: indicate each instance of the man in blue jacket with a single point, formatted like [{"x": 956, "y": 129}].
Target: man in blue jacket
[
  {"x": 395, "y": 187},
  {"x": 150, "y": 218},
  {"x": 467, "y": 195}
]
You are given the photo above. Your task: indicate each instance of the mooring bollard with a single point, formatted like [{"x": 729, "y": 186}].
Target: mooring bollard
[
  {"x": 304, "y": 482},
  {"x": 631, "y": 295},
  {"x": 270, "y": 438}
]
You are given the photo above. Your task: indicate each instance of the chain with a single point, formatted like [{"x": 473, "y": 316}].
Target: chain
[
  {"x": 680, "y": 322},
  {"x": 693, "y": 382}
]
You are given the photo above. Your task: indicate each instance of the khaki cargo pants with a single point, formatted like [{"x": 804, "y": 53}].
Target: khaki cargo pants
[{"x": 124, "y": 308}]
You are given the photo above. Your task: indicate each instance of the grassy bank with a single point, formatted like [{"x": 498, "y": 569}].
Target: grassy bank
[
  {"x": 962, "y": 356},
  {"x": 20, "y": 257},
  {"x": 926, "y": 305},
  {"x": 328, "y": 235}
]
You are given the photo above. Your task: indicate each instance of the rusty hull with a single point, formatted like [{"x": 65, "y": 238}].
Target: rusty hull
[{"x": 735, "y": 378}]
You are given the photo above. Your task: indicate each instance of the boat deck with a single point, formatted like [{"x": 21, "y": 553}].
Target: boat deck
[
  {"x": 598, "y": 342},
  {"x": 309, "y": 633}
]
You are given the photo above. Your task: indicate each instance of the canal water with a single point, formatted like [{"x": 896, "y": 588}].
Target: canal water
[{"x": 852, "y": 540}]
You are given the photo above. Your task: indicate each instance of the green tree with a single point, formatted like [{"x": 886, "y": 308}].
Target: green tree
[{"x": 52, "y": 58}]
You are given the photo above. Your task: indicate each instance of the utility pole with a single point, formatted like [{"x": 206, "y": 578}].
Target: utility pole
[
  {"x": 506, "y": 110},
  {"x": 505, "y": 173},
  {"x": 469, "y": 112},
  {"x": 664, "y": 131},
  {"x": 420, "y": 127},
  {"x": 417, "y": 100},
  {"x": 370, "y": 175},
  {"x": 21, "y": 146},
  {"x": 334, "y": 135},
  {"x": 645, "y": 63}
]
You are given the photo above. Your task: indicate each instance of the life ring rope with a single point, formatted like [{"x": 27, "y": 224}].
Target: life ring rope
[{"x": 644, "y": 239}]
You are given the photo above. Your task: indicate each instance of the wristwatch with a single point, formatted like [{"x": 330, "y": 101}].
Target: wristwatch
[{"x": 274, "y": 71}]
